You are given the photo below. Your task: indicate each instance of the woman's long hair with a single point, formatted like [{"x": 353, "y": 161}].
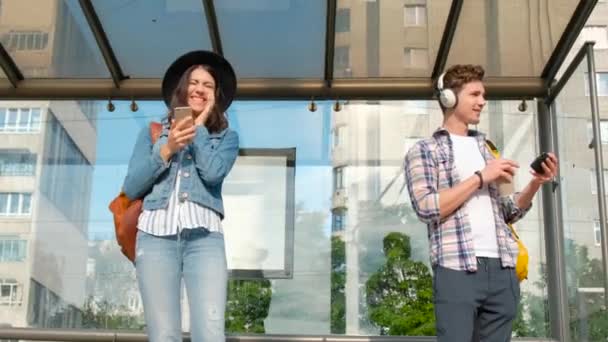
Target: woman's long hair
[{"x": 216, "y": 122}]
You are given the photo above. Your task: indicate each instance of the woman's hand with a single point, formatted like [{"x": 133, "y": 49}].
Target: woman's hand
[
  {"x": 180, "y": 135},
  {"x": 204, "y": 115}
]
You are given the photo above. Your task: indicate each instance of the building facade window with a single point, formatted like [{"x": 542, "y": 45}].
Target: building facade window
[
  {"x": 595, "y": 33},
  {"x": 17, "y": 163},
  {"x": 342, "y": 57},
  {"x": 338, "y": 178},
  {"x": 11, "y": 292},
  {"x": 25, "y": 40},
  {"x": 15, "y": 203},
  {"x": 20, "y": 120},
  {"x": 343, "y": 20},
  {"x": 12, "y": 249},
  {"x": 601, "y": 79},
  {"x": 597, "y": 233},
  {"x": 338, "y": 221},
  {"x": 414, "y": 15},
  {"x": 603, "y": 131},
  {"x": 415, "y": 58},
  {"x": 65, "y": 173},
  {"x": 339, "y": 136}
]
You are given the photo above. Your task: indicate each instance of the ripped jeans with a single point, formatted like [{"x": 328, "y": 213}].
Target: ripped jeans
[{"x": 196, "y": 255}]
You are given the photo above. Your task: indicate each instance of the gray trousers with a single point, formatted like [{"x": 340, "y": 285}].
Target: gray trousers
[{"x": 475, "y": 306}]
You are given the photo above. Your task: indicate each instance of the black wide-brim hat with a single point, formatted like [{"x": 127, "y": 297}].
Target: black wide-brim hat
[{"x": 224, "y": 71}]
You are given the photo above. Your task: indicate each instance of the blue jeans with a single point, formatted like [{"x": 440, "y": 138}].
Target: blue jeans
[{"x": 198, "y": 256}]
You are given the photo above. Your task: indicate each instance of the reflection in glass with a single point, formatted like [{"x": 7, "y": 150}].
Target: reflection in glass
[
  {"x": 388, "y": 38},
  {"x": 147, "y": 36},
  {"x": 583, "y": 256},
  {"x": 509, "y": 38},
  {"x": 351, "y": 211},
  {"x": 275, "y": 38},
  {"x": 50, "y": 38},
  {"x": 46, "y": 152}
]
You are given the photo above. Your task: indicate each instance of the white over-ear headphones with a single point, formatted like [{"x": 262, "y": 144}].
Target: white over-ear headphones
[{"x": 447, "y": 97}]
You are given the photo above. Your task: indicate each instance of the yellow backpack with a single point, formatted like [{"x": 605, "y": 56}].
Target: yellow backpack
[{"x": 521, "y": 266}]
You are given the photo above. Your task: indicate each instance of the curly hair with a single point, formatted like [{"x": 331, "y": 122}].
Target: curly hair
[{"x": 460, "y": 74}]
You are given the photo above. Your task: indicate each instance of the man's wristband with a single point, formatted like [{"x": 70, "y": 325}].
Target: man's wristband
[{"x": 478, "y": 173}]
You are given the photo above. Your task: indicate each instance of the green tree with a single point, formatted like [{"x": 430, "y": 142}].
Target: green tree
[
  {"x": 102, "y": 314},
  {"x": 338, "y": 283},
  {"x": 247, "y": 305},
  {"x": 400, "y": 293}
]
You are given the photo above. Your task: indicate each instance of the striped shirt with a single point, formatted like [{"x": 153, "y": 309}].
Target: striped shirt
[
  {"x": 179, "y": 215},
  {"x": 429, "y": 169}
]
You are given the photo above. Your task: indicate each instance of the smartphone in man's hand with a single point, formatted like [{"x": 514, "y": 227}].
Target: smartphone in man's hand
[{"x": 537, "y": 163}]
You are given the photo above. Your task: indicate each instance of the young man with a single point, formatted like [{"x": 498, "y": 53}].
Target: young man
[{"x": 452, "y": 180}]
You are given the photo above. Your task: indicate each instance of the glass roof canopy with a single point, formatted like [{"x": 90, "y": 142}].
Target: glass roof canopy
[{"x": 285, "y": 49}]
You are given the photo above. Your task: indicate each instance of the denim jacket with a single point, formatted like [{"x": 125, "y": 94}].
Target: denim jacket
[{"x": 204, "y": 164}]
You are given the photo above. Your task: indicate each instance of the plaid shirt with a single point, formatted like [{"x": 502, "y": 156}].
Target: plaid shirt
[{"x": 429, "y": 169}]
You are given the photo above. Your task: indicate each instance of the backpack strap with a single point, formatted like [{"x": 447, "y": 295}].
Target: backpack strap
[
  {"x": 156, "y": 129},
  {"x": 492, "y": 148}
]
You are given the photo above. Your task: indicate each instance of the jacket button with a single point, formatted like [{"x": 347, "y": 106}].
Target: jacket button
[
  {"x": 186, "y": 174},
  {"x": 184, "y": 195},
  {"x": 188, "y": 156}
]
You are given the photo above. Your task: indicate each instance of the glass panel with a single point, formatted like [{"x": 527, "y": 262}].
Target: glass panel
[
  {"x": 509, "y": 38},
  {"x": 514, "y": 134},
  {"x": 50, "y": 38},
  {"x": 26, "y": 203},
  {"x": 584, "y": 269},
  {"x": 274, "y": 38},
  {"x": 3, "y": 203},
  {"x": 148, "y": 35},
  {"x": 14, "y": 199},
  {"x": 75, "y": 265},
  {"x": 388, "y": 38}
]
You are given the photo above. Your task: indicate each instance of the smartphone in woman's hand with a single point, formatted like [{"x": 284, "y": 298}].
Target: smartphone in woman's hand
[{"x": 180, "y": 113}]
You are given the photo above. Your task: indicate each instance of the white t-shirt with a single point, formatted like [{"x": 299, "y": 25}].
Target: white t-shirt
[{"x": 467, "y": 160}]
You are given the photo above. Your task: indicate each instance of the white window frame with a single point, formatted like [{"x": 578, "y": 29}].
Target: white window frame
[
  {"x": 601, "y": 91},
  {"x": 12, "y": 246},
  {"x": 8, "y": 210},
  {"x": 339, "y": 178},
  {"x": 15, "y": 295},
  {"x": 419, "y": 16},
  {"x": 588, "y": 35},
  {"x": 339, "y": 135},
  {"x": 12, "y": 168},
  {"x": 415, "y": 58},
  {"x": 31, "y": 124},
  {"x": 342, "y": 215},
  {"x": 597, "y": 238}
]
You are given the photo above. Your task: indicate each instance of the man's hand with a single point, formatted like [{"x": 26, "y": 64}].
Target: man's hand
[
  {"x": 499, "y": 169},
  {"x": 550, "y": 166}
]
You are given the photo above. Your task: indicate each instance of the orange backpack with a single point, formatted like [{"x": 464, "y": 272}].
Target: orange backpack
[{"x": 126, "y": 212}]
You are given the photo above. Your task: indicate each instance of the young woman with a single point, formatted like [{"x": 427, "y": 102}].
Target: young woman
[{"x": 180, "y": 178}]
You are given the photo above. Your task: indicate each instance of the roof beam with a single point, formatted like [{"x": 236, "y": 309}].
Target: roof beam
[
  {"x": 330, "y": 41},
  {"x": 11, "y": 70},
  {"x": 268, "y": 89},
  {"x": 446, "y": 40},
  {"x": 564, "y": 45},
  {"x": 102, "y": 41},
  {"x": 214, "y": 29}
]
